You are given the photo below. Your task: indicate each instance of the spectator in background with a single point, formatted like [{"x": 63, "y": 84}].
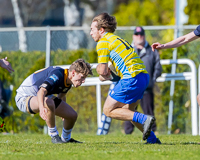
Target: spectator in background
[
  {"x": 4, "y": 98},
  {"x": 5, "y": 64},
  {"x": 151, "y": 60}
]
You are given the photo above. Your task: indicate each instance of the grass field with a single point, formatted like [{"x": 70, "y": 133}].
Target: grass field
[{"x": 114, "y": 146}]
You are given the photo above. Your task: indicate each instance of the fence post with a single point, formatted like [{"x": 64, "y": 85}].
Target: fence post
[
  {"x": 98, "y": 98},
  {"x": 48, "y": 46},
  {"x": 47, "y": 61}
]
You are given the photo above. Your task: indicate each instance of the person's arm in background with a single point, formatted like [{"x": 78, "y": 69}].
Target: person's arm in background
[
  {"x": 157, "y": 66},
  {"x": 5, "y": 64},
  {"x": 176, "y": 42}
]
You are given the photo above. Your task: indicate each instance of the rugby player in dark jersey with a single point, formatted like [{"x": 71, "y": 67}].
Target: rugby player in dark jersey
[{"x": 35, "y": 95}]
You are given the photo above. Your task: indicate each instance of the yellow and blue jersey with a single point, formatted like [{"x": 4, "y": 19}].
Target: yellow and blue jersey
[{"x": 121, "y": 54}]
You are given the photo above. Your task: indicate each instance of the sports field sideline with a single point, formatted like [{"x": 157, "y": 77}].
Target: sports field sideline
[{"x": 116, "y": 146}]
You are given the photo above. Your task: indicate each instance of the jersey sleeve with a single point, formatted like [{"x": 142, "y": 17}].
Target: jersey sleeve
[
  {"x": 197, "y": 31},
  {"x": 103, "y": 51},
  {"x": 52, "y": 80}
]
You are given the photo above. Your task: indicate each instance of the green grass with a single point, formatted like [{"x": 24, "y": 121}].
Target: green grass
[{"x": 116, "y": 146}]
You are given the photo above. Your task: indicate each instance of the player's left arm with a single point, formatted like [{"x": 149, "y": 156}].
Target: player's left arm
[{"x": 62, "y": 96}]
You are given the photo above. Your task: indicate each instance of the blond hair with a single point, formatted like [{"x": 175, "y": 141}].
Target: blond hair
[
  {"x": 80, "y": 66},
  {"x": 104, "y": 20}
]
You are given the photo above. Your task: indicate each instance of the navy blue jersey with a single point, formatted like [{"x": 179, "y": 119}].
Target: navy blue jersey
[
  {"x": 52, "y": 78},
  {"x": 197, "y": 31}
]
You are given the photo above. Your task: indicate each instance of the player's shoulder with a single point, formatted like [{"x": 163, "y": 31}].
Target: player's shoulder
[
  {"x": 103, "y": 40},
  {"x": 102, "y": 43},
  {"x": 109, "y": 35},
  {"x": 107, "y": 39},
  {"x": 56, "y": 70}
]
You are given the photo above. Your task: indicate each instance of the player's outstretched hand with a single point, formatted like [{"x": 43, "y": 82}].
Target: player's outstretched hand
[
  {"x": 156, "y": 45},
  {"x": 43, "y": 113},
  {"x": 5, "y": 64}
]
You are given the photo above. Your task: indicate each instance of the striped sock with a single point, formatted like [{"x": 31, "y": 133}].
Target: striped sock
[
  {"x": 66, "y": 135},
  {"x": 139, "y": 117},
  {"x": 52, "y": 131}
]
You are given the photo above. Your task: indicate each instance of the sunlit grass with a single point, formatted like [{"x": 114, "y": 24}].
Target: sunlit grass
[{"x": 116, "y": 146}]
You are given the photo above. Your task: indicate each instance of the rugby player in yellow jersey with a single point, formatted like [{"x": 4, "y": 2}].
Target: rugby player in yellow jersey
[{"x": 125, "y": 96}]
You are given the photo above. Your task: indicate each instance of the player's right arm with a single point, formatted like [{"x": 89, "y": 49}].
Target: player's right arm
[
  {"x": 42, "y": 109},
  {"x": 103, "y": 52}
]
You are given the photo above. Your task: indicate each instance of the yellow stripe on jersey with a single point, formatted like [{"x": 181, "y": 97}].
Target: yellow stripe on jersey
[
  {"x": 40, "y": 70},
  {"x": 65, "y": 77},
  {"x": 121, "y": 54}
]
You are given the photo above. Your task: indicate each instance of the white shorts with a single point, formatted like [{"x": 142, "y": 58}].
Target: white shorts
[{"x": 23, "y": 102}]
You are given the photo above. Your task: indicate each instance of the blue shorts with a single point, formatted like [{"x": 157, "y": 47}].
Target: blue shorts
[{"x": 130, "y": 90}]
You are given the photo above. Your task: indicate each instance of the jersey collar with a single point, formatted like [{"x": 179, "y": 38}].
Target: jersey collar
[{"x": 65, "y": 77}]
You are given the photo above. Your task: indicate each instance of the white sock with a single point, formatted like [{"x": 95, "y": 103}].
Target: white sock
[
  {"x": 52, "y": 131},
  {"x": 66, "y": 135}
]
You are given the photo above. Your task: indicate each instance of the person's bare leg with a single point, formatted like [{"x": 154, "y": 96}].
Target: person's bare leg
[
  {"x": 115, "y": 109},
  {"x": 132, "y": 108},
  {"x": 50, "y": 121},
  {"x": 70, "y": 116},
  {"x": 49, "y": 104},
  {"x": 121, "y": 111},
  {"x": 67, "y": 112},
  {"x": 147, "y": 130}
]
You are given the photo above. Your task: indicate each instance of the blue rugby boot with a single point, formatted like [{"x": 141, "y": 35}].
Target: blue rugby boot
[{"x": 157, "y": 142}]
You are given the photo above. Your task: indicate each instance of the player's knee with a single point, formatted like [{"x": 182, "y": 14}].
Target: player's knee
[
  {"x": 74, "y": 116},
  {"x": 50, "y": 104},
  {"x": 107, "y": 112}
]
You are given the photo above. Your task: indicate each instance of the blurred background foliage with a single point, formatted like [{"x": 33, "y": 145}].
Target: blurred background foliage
[
  {"x": 145, "y": 12},
  {"x": 83, "y": 99}
]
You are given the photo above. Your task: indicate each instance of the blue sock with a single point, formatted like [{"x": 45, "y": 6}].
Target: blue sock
[
  {"x": 139, "y": 117},
  {"x": 152, "y": 138}
]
